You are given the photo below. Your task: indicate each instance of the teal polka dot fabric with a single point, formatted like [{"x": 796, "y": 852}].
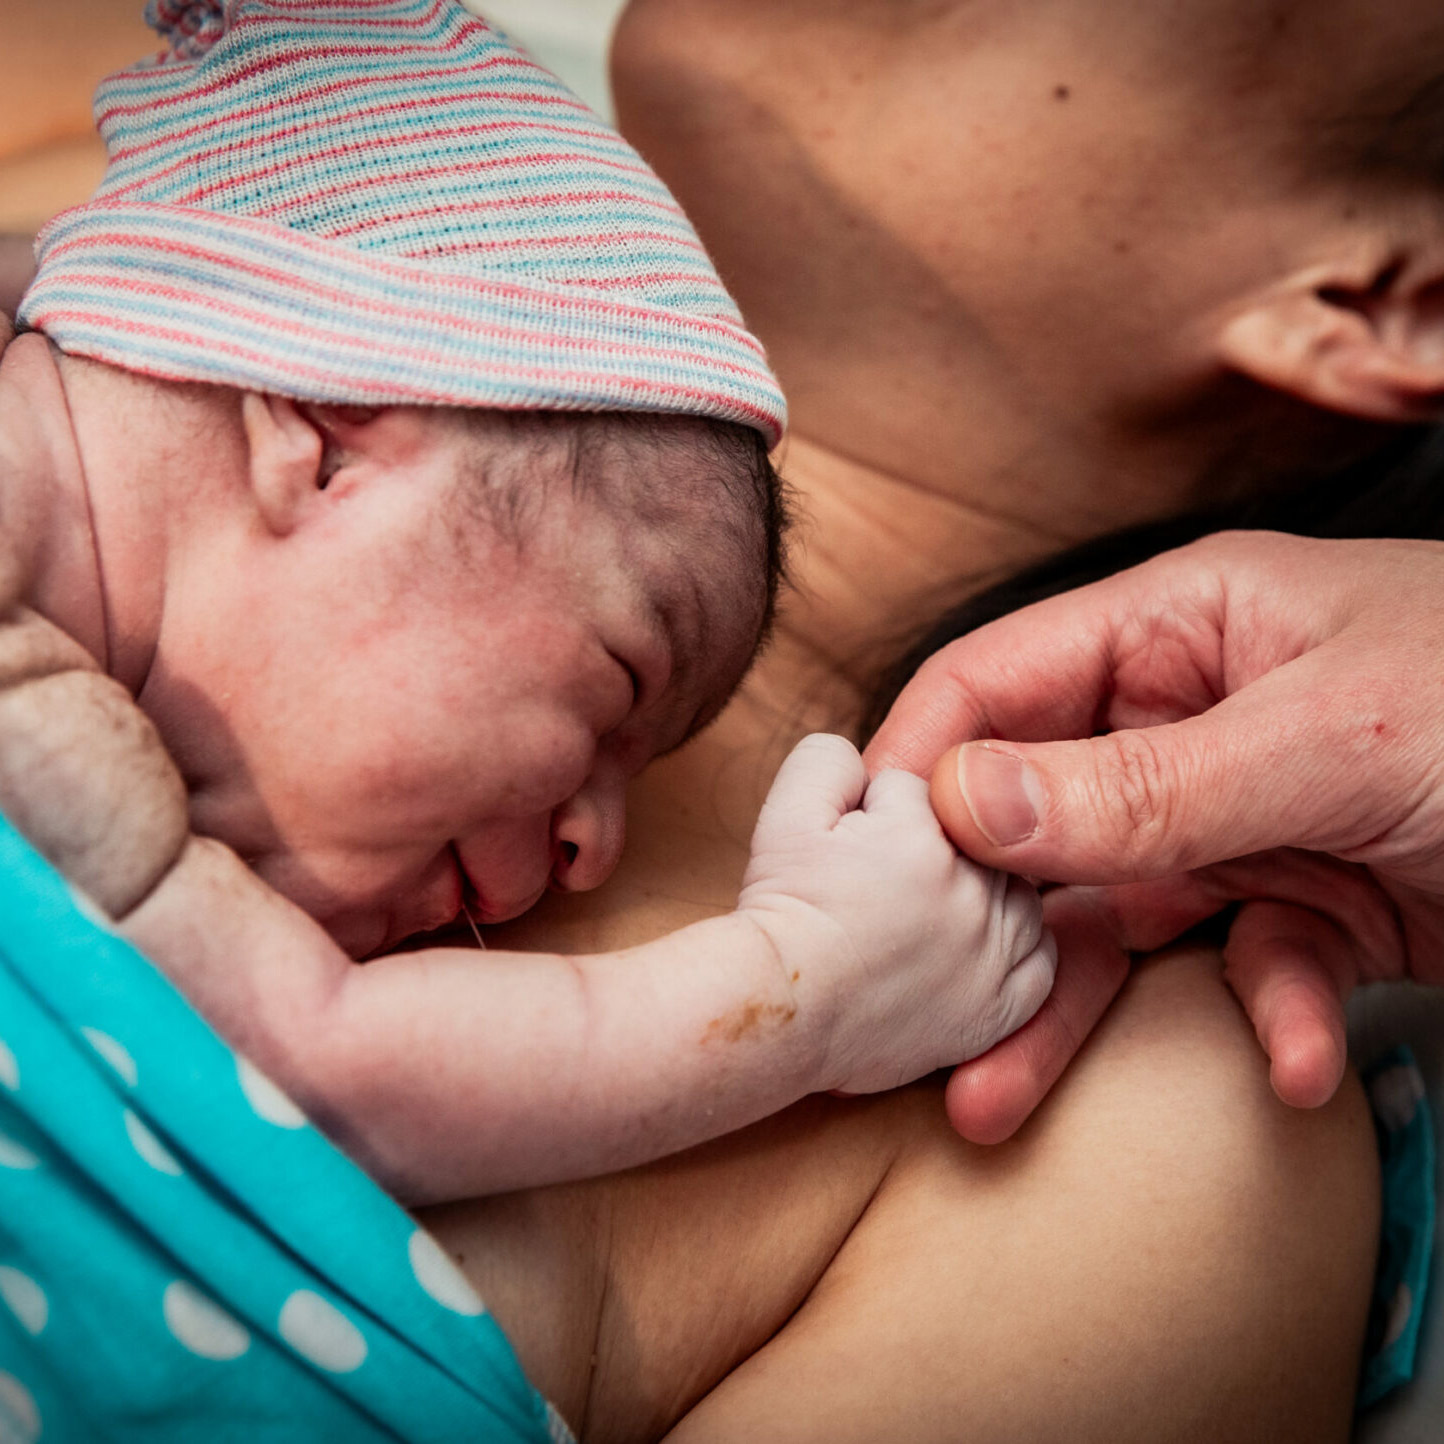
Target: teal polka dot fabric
[
  {"x": 182, "y": 1256},
  {"x": 1404, "y": 1128}
]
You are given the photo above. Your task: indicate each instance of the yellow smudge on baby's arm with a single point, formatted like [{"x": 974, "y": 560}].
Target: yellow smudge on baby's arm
[{"x": 749, "y": 1019}]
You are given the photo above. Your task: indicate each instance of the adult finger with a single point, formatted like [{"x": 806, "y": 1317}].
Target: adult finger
[
  {"x": 1338, "y": 905},
  {"x": 1047, "y": 670},
  {"x": 1286, "y": 761},
  {"x": 1148, "y": 915},
  {"x": 989, "y": 1098},
  {"x": 1291, "y": 969}
]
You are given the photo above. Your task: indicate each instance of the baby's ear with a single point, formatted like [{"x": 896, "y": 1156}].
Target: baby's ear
[
  {"x": 288, "y": 459},
  {"x": 297, "y": 448},
  {"x": 1361, "y": 334}
]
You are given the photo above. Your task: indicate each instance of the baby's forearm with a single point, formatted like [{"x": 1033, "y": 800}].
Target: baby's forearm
[
  {"x": 479, "y": 1072},
  {"x": 451, "y": 1072}
]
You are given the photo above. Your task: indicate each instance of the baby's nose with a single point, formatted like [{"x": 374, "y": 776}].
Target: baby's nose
[{"x": 588, "y": 831}]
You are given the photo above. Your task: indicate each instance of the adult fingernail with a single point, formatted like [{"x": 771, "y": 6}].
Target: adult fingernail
[{"x": 1002, "y": 792}]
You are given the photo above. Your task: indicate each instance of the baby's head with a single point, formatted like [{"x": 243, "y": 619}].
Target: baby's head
[
  {"x": 479, "y": 517},
  {"x": 408, "y": 657}
]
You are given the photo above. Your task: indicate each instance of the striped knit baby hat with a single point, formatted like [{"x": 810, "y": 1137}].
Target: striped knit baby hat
[{"x": 383, "y": 201}]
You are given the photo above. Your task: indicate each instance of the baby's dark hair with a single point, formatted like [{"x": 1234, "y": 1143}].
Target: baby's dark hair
[
  {"x": 1386, "y": 140},
  {"x": 655, "y": 467},
  {"x": 1398, "y": 492}
]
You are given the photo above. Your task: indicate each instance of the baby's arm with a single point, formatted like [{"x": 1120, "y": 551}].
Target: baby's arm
[{"x": 864, "y": 953}]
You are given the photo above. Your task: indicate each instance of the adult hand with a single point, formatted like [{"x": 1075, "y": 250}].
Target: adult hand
[{"x": 1274, "y": 711}]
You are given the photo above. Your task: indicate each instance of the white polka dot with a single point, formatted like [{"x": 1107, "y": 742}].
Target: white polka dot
[
  {"x": 89, "y": 909},
  {"x": 150, "y": 1147},
  {"x": 267, "y": 1100},
  {"x": 201, "y": 1325},
  {"x": 1400, "y": 1307},
  {"x": 441, "y": 1278},
  {"x": 9, "y": 1068},
  {"x": 321, "y": 1333},
  {"x": 558, "y": 1430},
  {"x": 1395, "y": 1094},
  {"x": 25, "y": 1299},
  {"x": 113, "y": 1052},
  {"x": 19, "y": 1417},
  {"x": 12, "y": 1155}
]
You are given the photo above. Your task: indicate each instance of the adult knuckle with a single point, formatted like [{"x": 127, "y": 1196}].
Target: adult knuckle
[{"x": 1140, "y": 786}]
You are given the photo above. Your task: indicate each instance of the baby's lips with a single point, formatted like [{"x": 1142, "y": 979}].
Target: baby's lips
[
  {"x": 490, "y": 910},
  {"x": 487, "y": 899}
]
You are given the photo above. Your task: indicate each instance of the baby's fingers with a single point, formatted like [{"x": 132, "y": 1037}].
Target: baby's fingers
[
  {"x": 821, "y": 781},
  {"x": 902, "y": 796}
]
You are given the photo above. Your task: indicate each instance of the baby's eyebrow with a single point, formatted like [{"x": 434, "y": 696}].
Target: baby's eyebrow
[
  {"x": 708, "y": 654},
  {"x": 688, "y": 643}
]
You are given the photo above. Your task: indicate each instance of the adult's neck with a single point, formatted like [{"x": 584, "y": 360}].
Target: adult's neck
[
  {"x": 48, "y": 527},
  {"x": 877, "y": 553}
]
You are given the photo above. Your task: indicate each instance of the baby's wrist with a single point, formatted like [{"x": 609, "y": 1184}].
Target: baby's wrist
[{"x": 788, "y": 994}]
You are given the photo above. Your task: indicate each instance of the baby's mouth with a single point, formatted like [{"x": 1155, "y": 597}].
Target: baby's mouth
[
  {"x": 477, "y": 907},
  {"x": 487, "y": 912}
]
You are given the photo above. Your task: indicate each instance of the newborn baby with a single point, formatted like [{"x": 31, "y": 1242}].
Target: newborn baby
[{"x": 402, "y": 658}]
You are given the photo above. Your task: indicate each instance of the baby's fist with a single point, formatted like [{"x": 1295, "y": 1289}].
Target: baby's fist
[{"x": 903, "y": 956}]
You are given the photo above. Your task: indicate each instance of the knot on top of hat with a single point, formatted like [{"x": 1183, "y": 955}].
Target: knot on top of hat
[{"x": 189, "y": 27}]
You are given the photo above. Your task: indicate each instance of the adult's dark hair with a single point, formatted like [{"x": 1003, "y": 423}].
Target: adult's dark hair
[{"x": 1395, "y": 493}]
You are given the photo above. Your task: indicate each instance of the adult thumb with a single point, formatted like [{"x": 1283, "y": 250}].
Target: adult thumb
[{"x": 1257, "y": 771}]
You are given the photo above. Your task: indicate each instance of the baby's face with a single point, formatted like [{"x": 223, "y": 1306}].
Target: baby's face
[{"x": 414, "y": 713}]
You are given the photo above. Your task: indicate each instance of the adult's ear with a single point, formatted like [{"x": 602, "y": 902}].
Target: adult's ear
[
  {"x": 1362, "y": 335},
  {"x": 296, "y": 448}
]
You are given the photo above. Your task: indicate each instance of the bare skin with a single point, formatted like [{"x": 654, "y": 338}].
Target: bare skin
[
  {"x": 852, "y": 1270},
  {"x": 1165, "y": 1251},
  {"x": 821, "y": 1275},
  {"x": 856, "y": 1258}
]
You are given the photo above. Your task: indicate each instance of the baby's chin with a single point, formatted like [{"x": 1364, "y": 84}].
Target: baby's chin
[
  {"x": 372, "y": 934},
  {"x": 360, "y": 941},
  {"x": 367, "y": 932},
  {"x": 366, "y": 919},
  {"x": 438, "y": 914}
]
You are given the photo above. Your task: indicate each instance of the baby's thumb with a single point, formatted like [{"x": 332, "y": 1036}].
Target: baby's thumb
[{"x": 1141, "y": 803}]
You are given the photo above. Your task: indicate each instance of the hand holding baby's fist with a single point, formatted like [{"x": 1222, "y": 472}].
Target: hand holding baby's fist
[{"x": 903, "y": 956}]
